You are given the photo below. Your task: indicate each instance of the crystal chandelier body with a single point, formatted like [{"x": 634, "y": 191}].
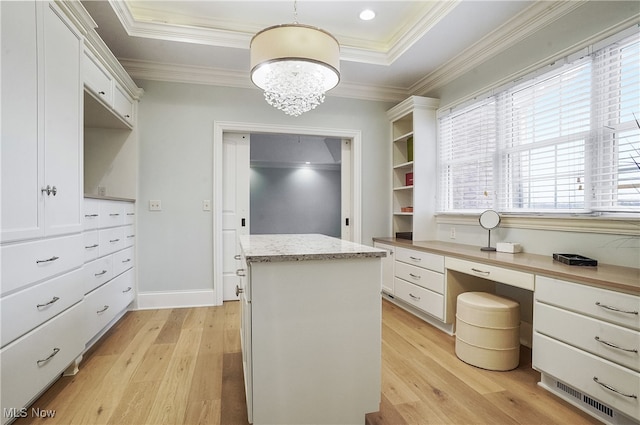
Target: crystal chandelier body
[{"x": 295, "y": 65}]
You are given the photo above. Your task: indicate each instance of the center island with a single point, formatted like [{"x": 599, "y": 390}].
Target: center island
[{"x": 311, "y": 329}]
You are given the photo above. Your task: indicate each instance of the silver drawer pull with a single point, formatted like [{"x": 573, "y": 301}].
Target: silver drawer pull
[
  {"x": 105, "y": 308},
  {"x": 90, "y": 215},
  {"x": 55, "y": 351},
  {"x": 131, "y": 236},
  {"x": 237, "y": 257},
  {"x": 481, "y": 272},
  {"x": 610, "y": 388},
  {"x": 114, "y": 214},
  {"x": 414, "y": 297},
  {"x": 240, "y": 272},
  {"x": 415, "y": 276},
  {"x": 608, "y": 307},
  {"x": 114, "y": 240},
  {"x": 127, "y": 290},
  {"x": 48, "y": 260},
  {"x": 415, "y": 258},
  {"x": 54, "y": 299},
  {"x": 100, "y": 274},
  {"x": 131, "y": 213},
  {"x": 612, "y": 345},
  {"x": 127, "y": 260},
  {"x": 95, "y": 245}
]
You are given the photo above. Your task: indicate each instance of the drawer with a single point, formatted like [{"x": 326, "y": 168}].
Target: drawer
[
  {"x": 91, "y": 214},
  {"x": 129, "y": 235},
  {"x": 110, "y": 240},
  {"x": 422, "y": 259},
  {"x": 614, "y": 307},
  {"x": 603, "y": 339},
  {"x": 497, "y": 274},
  {"x": 30, "y": 363},
  {"x": 122, "y": 261},
  {"x": 104, "y": 304},
  {"x": 96, "y": 78},
  {"x": 578, "y": 369},
  {"x": 25, "y": 310},
  {"x": 91, "y": 245},
  {"x": 123, "y": 104},
  {"x": 423, "y": 299},
  {"x": 421, "y": 277},
  {"x": 31, "y": 262},
  {"x": 97, "y": 272},
  {"x": 111, "y": 214},
  {"x": 129, "y": 213}
]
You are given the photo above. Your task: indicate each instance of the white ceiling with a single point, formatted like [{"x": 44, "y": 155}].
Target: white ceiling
[{"x": 411, "y": 47}]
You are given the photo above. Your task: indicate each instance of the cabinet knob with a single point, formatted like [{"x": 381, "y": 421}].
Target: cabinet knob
[
  {"x": 237, "y": 257},
  {"x": 240, "y": 273},
  {"x": 101, "y": 93}
]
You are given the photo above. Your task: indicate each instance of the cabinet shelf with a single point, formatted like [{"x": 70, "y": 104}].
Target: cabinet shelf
[
  {"x": 403, "y": 187},
  {"x": 403, "y": 137},
  {"x": 402, "y": 213},
  {"x": 403, "y": 165}
]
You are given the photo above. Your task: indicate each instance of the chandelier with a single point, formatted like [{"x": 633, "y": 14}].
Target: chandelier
[{"x": 295, "y": 65}]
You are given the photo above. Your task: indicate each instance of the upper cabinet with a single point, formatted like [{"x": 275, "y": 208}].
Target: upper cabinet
[
  {"x": 41, "y": 122},
  {"x": 413, "y": 151}
]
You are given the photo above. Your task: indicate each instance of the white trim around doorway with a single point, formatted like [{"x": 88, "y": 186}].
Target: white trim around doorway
[{"x": 220, "y": 127}]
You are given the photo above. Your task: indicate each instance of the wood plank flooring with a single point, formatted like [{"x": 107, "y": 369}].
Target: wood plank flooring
[{"x": 184, "y": 366}]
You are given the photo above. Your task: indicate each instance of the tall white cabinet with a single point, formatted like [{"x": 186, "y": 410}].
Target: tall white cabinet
[
  {"x": 41, "y": 122},
  {"x": 413, "y": 152},
  {"x": 47, "y": 292}
]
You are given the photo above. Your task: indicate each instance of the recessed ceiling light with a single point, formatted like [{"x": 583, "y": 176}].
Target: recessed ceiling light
[{"x": 367, "y": 15}]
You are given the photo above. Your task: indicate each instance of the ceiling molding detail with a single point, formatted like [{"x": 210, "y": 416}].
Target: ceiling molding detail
[
  {"x": 539, "y": 15},
  {"x": 155, "y": 71}
]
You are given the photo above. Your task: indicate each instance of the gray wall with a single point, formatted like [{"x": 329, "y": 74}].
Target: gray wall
[
  {"x": 295, "y": 200},
  {"x": 175, "y": 123}
]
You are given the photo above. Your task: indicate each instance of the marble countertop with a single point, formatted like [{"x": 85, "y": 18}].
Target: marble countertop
[{"x": 302, "y": 247}]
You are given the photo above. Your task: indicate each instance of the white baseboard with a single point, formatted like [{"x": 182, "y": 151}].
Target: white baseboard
[{"x": 176, "y": 299}]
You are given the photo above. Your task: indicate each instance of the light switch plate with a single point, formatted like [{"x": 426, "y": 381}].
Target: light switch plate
[{"x": 155, "y": 205}]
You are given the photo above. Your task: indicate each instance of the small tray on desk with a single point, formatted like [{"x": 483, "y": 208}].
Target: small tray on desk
[{"x": 575, "y": 260}]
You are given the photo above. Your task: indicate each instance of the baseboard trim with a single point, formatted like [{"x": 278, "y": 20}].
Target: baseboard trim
[{"x": 176, "y": 299}]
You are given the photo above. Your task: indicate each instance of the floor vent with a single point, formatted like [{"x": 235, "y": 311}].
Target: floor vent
[
  {"x": 569, "y": 390},
  {"x": 603, "y": 408}
]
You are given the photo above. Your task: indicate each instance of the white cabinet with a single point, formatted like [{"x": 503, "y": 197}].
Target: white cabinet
[
  {"x": 419, "y": 280},
  {"x": 413, "y": 153},
  {"x": 586, "y": 343},
  {"x": 109, "y": 273},
  {"x": 388, "y": 264},
  {"x": 41, "y": 117}
]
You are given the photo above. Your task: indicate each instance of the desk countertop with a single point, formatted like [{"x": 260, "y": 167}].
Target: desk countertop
[
  {"x": 302, "y": 247},
  {"x": 623, "y": 279}
]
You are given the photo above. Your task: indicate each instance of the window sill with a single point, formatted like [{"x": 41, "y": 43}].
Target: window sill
[{"x": 629, "y": 226}]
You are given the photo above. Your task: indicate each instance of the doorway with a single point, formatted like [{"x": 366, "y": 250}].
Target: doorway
[{"x": 350, "y": 191}]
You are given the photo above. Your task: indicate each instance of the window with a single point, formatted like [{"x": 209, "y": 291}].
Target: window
[{"x": 565, "y": 141}]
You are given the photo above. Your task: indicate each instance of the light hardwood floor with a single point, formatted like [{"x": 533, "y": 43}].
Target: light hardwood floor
[{"x": 184, "y": 366}]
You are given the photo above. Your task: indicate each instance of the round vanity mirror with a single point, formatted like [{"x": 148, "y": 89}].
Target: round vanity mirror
[{"x": 489, "y": 219}]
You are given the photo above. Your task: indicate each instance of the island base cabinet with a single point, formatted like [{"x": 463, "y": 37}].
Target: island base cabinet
[
  {"x": 610, "y": 390},
  {"x": 33, "y": 361},
  {"x": 315, "y": 341}
]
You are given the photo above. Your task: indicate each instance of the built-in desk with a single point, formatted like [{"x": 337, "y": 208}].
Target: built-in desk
[{"x": 582, "y": 323}]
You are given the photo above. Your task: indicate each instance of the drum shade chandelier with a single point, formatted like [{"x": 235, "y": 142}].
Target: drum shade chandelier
[{"x": 295, "y": 65}]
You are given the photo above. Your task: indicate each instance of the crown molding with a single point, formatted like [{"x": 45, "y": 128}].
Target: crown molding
[
  {"x": 539, "y": 15},
  {"x": 155, "y": 71}
]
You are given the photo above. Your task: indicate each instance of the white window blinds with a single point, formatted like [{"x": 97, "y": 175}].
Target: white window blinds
[
  {"x": 615, "y": 184},
  {"x": 565, "y": 141}
]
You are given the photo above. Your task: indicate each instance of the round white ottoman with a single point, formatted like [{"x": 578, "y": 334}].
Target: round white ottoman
[{"x": 488, "y": 331}]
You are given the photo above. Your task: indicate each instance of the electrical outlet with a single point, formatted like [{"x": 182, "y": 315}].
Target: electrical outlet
[
  {"x": 155, "y": 205},
  {"x": 206, "y": 205},
  {"x": 452, "y": 233}
]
